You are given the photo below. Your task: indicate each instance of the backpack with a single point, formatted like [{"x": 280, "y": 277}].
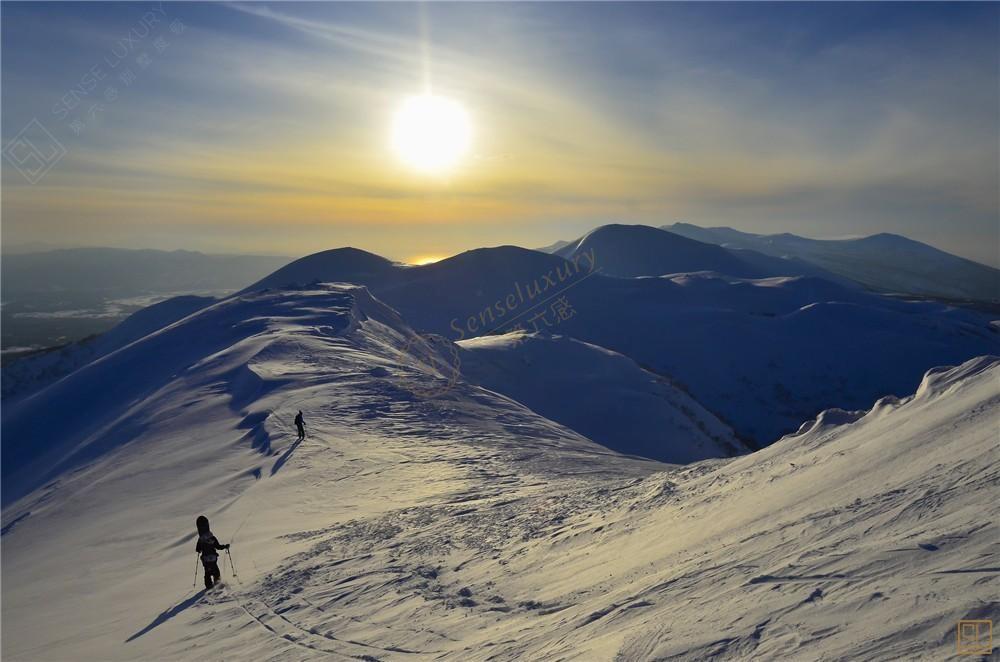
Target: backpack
[{"x": 206, "y": 545}]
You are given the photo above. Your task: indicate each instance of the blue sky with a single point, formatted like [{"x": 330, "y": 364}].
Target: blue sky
[{"x": 264, "y": 127}]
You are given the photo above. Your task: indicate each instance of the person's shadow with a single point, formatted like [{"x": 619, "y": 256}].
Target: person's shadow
[
  {"x": 167, "y": 615},
  {"x": 280, "y": 462}
]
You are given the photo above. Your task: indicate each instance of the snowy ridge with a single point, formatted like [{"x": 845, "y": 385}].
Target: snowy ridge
[
  {"x": 943, "y": 380},
  {"x": 829, "y": 418},
  {"x": 101, "y": 402},
  {"x": 866, "y": 541},
  {"x": 762, "y": 354},
  {"x": 455, "y": 523},
  {"x": 937, "y": 382}
]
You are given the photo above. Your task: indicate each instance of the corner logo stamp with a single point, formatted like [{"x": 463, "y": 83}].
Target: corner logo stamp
[
  {"x": 34, "y": 151},
  {"x": 975, "y": 637}
]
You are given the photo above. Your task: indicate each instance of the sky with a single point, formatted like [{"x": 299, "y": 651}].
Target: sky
[{"x": 265, "y": 127}]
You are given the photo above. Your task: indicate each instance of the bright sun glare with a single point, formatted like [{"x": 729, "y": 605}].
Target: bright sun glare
[{"x": 431, "y": 134}]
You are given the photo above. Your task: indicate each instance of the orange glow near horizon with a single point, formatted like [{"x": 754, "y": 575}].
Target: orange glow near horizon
[
  {"x": 421, "y": 260},
  {"x": 491, "y": 130}
]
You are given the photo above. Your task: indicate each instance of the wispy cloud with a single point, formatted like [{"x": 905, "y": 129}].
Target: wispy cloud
[{"x": 273, "y": 120}]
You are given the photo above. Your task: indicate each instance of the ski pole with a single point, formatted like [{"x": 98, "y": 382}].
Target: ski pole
[
  {"x": 195, "y": 582},
  {"x": 231, "y": 565}
]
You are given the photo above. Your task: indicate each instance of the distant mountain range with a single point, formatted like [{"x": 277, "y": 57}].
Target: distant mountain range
[
  {"x": 53, "y": 297},
  {"x": 762, "y": 341},
  {"x": 884, "y": 262},
  {"x": 641, "y": 250},
  {"x": 124, "y": 272},
  {"x": 57, "y": 296}
]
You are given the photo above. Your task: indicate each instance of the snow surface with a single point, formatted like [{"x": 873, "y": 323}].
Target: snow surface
[
  {"x": 426, "y": 517},
  {"x": 599, "y": 393},
  {"x": 761, "y": 354}
]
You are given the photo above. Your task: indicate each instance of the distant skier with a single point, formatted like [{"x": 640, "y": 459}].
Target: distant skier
[
  {"x": 207, "y": 545},
  {"x": 300, "y": 423}
]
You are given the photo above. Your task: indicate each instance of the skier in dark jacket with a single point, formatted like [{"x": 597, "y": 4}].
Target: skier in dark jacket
[
  {"x": 300, "y": 423},
  {"x": 207, "y": 545}
]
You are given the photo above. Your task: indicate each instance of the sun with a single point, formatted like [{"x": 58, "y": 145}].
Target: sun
[{"x": 431, "y": 134}]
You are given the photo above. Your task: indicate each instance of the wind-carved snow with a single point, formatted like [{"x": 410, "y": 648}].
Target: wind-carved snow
[
  {"x": 866, "y": 541},
  {"x": 456, "y": 523}
]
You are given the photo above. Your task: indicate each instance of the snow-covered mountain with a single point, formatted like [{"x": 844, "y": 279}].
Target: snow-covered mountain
[
  {"x": 762, "y": 354},
  {"x": 884, "y": 262},
  {"x": 102, "y": 468},
  {"x": 765, "y": 354},
  {"x": 349, "y": 265},
  {"x": 599, "y": 393},
  {"x": 424, "y": 516},
  {"x": 641, "y": 250}
]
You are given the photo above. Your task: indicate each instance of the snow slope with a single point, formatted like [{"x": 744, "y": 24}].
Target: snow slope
[
  {"x": 453, "y": 523},
  {"x": 761, "y": 354},
  {"x": 195, "y": 417},
  {"x": 886, "y": 262},
  {"x": 864, "y": 541},
  {"x": 31, "y": 373},
  {"x": 601, "y": 394},
  {"x": 764, "y": 355}
]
